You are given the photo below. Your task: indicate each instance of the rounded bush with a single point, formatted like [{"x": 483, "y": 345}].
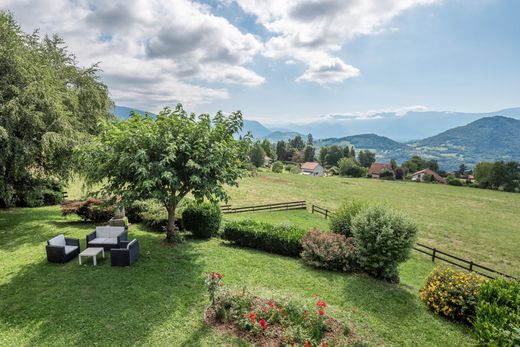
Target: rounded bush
[
  {"x": 341, "y": 220},
  {"x": 498, "y": 313},
  {"x": 202, "y": 219},
  {"x": 384, "y": 239},
  {"x": 277, "y": 167},
  {"x": 452, "y": 293},
  {"x": 329, "y": 251}
]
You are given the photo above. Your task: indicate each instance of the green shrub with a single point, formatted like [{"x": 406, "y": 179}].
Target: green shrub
[
  {"x": 202, "y": 219},
  {"x": 384, "y": 239},
  {"x": 452, "y": 293},
  {"x": 453, "y": 181},
  {"x": 498, "y": 313},
  {"x": 282, "y": 239},
  {"x": 333, "y": 171},
  {"x": 295, "y": 170},
  {"x": 341, "y": 220},
  {"x": 277, "y": 167},
  {"x": 386, "y": 174},
  {"x": 349, "y": 167},
  {"x": 329, "y": 251}
]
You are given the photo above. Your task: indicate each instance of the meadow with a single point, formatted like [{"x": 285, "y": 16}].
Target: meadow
[{"x": 477, "y": 224}]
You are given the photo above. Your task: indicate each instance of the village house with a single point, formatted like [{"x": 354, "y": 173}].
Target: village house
[
  {"x": 312, "y": 169},
  {"x": 419, "y": 176},
  {"x": 376, "y": 169},
  {"x": 267, "y": 161}
]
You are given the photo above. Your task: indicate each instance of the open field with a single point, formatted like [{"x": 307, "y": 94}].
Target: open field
[
  {"x": 160, "y": 300},
  {"x": 477, "y": 224}
]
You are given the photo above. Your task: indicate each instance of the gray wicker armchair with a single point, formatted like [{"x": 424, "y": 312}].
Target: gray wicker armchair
[
  {"x": 61, "y": 249},
  {"x": 126, "y": 255}
]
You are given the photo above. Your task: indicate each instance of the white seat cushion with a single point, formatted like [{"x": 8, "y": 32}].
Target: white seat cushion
[
  {"x": 69, "y": 249},
  {"x": 57, "y": 241},
  {"x": 104, "y": 241}
]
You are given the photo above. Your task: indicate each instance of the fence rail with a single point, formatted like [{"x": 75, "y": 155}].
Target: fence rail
[
  {"x": 435, "y": 253},
  {"x": 282, "y": 206}
]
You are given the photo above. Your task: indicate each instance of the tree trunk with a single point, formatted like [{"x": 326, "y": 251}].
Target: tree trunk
[{"x": 172, "y": 232}]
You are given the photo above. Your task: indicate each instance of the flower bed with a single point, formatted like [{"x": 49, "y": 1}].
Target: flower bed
[{"x": 270, "y": 323}]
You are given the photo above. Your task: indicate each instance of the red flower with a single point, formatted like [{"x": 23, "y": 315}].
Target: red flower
[
  {"x": 252, "y": 317},
  {"x": 263, "y": 323},
  {"x": 324, "y": 343},
  {"x": 321, "y": 303},
  {"x": 321, "y": 312},
  {"x": 219, "y": 275}
]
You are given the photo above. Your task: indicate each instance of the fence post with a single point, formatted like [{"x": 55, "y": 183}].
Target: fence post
[
  {"x": 312, "y": 208},
  {"x": 471, "y": 266},
  {"x": 433, "y": 254},
  {"x": 326, "y": 214}
]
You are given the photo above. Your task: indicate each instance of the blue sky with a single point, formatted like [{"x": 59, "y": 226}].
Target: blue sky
[{"x": 294, "y": 61}]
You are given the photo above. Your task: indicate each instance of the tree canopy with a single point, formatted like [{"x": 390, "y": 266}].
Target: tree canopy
[
  {"x": 48, "y": 104},
  {"x": 167, "y": 158}
]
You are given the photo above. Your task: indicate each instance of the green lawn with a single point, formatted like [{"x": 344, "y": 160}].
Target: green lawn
[
  {"x": 160, "y": 300},
  {"x": 478, "y": 224}
]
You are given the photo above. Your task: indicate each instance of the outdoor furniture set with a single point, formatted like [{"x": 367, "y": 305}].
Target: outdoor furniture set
[{"x": 61, "y": 249}]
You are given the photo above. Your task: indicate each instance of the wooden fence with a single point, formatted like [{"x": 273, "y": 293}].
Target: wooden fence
[
  {"x": 282, "y": 206},
  {"x": 435, "y": 253}
]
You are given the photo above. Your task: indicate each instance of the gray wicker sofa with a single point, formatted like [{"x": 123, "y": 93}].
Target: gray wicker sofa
[
  {"x": 107, "y": 237},
  {"x": 61, "y": 249}
]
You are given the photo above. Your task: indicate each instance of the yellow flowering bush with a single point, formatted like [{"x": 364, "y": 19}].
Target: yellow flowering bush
[{"x": 452, "y": 293}]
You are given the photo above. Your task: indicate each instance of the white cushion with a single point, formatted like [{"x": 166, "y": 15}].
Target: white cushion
[
  {"x": 69, "y": 249},
  {"x": 130, "y": 243},
  {"x": 57, "y": 241},
  {"x": 109, "y": 231},
  {"x": 104, "y": 240}
]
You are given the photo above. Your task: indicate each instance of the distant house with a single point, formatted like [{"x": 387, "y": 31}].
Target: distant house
[
  {"x": 419, "y": 176},
  {"x": 267, "y": 161},
  {"x": 312, "y": 169},
  {"x": 376, "y": 169}
]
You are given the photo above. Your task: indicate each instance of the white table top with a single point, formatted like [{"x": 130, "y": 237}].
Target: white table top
[{"x": 91, "y": 251}]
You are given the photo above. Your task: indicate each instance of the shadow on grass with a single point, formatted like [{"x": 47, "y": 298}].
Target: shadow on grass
[{"x": 68, "y": 304}]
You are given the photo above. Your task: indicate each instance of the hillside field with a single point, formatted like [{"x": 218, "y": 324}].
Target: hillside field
[{"x": 476, "y": 224}]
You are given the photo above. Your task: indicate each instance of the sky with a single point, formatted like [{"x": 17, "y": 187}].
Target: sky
[{"x": 295, "y": 60}]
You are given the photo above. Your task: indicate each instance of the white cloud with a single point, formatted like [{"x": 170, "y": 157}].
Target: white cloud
[
  {"x": 153, "y": 53},
  {"x": 313, "y": 31},
  {"x": 377, "y": 114}
]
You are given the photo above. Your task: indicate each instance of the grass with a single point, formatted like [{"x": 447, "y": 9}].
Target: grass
[
  {"x": 477, "y": 224},
  {"x": 161, "y": 299}
]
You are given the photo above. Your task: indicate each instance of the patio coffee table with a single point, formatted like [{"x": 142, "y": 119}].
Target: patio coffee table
[{"x": 92, "y": 252}]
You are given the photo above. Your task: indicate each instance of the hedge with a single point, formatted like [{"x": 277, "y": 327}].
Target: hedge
[{"x": 284, "y": 239}]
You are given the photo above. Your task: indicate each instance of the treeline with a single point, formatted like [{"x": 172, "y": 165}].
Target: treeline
[
  {"x": 499, "y": 175},
  {"x": 295, "y": 150}
]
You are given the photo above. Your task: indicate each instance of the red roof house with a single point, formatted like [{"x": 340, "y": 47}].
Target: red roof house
[
  {"x": 376, "y": 169},
  {"x": 312, "y": 169}
]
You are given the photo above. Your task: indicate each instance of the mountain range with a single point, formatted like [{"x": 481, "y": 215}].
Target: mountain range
[{"x": 461, "y": 137}]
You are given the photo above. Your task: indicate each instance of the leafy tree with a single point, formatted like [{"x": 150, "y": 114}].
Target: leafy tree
[
  {"x": 416, "y": 163},
  {"x": 349, "y": 167},
  {"x": 483, "y": 173},
  {"x": 399, "y": 173},
  {"x": 268, "y": 148},
  {"x": 277, "y": 167},
  {"x": 393, "y": 164},
  {"x": 257, "y": 154},
  {"x": 461, "y": 172},
  {"x": 167, "y": 158},
  {"x": 334, "y": 154},
  {"x": 366, "y": 158},
  {"x": 310, "y": 140},
  {"x": 47, "y": 106},
  {"x": 281, "y": 150},
  {"x": 323, "y": 155},
  {"x": 352, "y": 152},
  {"x": 505, "y": 175},
  {"x": 309, "y": 153},
  {"x": 297, "y": 143}
]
